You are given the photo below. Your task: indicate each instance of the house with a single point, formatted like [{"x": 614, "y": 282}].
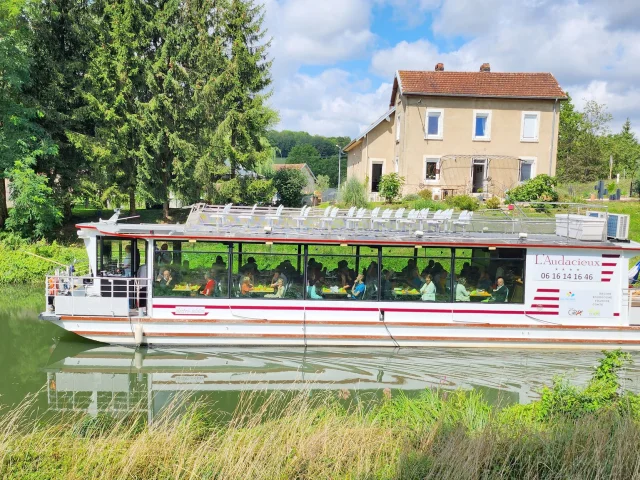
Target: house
[
  {"x": 477, "y": 133},
  {"x": 304, "y": 168}
]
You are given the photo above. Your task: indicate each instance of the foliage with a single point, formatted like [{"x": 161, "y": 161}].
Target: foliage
[
  {"x": 541, "y": 187},
  {"x": 319, "y": 165},
  {"x": 259, "y": 191},
  {"x": 612, "y": 187},
  {"x": 426, "y": 194},
  {"x": 492, "y": 203},
  {"x": 289, "y": 184},
  {"x": 34, "y": 213},
  {"x": 433, "y": 205},
  {"x": 390, "y": 186},
  {"x": 322, "y": 184},
  {"x": 286, "y": 140},
  {"x": 412, "y": 197},
  {"x": 626, "y": 151},
  {"x": 463, "y": 202},
  {"x": 353, "y": 193}
]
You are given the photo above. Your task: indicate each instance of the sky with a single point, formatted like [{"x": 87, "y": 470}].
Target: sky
[{"x": 334, "y": 60}]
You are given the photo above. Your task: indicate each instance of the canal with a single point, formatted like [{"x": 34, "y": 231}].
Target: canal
[{"x": 62, "y": 372}]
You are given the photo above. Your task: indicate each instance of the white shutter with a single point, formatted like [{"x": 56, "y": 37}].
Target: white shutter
[{"x": 529, "y": 127}]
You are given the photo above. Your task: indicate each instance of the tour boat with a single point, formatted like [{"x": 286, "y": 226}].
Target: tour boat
[{"x": 542, "y": 275}]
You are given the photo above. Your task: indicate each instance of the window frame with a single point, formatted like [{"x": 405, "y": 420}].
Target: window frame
[
  {"x": 425, "y": 159},
  {"x": 536, "y": 139},
  {"x": 398, "y": 128},
  {"x": 487, "y": 135},
  {"x": 532, "y": 161},
  {"x": 440, "y": 134}
]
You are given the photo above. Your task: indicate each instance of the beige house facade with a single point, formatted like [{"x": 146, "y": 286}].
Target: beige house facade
[{"x": 477, "y": 133}]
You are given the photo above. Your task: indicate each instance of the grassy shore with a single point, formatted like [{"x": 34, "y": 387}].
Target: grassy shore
[{"x": 568, "y": 433}]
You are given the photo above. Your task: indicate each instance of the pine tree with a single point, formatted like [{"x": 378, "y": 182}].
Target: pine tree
[
  {"x": 236, "y": 99},
  {"x": 112, "y": 88},
  {"x": 63, "y": 36}
]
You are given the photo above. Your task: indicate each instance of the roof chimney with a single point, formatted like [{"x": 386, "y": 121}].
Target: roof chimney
[
  {"x": 485, "y": 67},
  {"x": 439, "y": 67}
]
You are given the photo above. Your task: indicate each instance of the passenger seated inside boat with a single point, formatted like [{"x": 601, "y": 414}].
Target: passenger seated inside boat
[
  {"x": 209, "y": 287},
  {"x": 163, "y": 257},
  {"x": 250, "y": 269},
  {"x": 499, "y": 295},
  {"x": 462, "y": 295},
  {"x": 166, "y": 279},
  {"x": 386, "y": 285},
  {"x": 278, "y": 275},
  {"x": 428, "y": 290},
  {"x": 219, "y": 266},
  {"x": 484, "y": 282},
  {"x": 279, "y": 290},
  {"x": 313, "y": 290},
  {"x": 414, "y": 280},
  {"x": 245, "y": 286},
  {"x": 358, "y": 289}
]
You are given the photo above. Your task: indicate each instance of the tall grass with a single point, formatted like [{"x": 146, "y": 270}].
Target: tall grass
[
  {"x": 569, "y": 433},
  {"x": 353, "y": 194}
]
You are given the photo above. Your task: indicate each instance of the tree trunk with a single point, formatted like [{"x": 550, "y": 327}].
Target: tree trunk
[
  {"x": 4, "y": 213},
  {"x": 132, "y": 202}
]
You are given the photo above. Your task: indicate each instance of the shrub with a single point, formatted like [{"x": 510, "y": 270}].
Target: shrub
[
  {"x": 463, "y": 202},
  {"x": 259, "y": 191},
  {"x": 390, "y": 186},
  {"x": 353, "y": 193},
  {"x": 289, "y": 184},
  {"x": 34, "y": 214},
  {"x": 492, "y": 203},
  {"x": 541, "y": 187},
  {"x": 412, "y": 197},
  {"x": 426, "y": 193}
]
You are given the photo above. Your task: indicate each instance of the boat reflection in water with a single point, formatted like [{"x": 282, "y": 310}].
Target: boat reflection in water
[{"x": 119, "y": 379}]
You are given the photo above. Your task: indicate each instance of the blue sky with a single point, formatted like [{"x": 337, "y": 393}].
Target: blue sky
[{"x": 334, "y": 60}]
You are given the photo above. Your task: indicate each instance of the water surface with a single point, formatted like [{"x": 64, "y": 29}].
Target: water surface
[{"x": 68, "y": 373}]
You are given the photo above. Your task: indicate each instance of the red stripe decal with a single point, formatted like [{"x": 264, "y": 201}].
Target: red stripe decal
[
  {"x": 610, "y": 255},
  {"x": 541, "y": 305},
  {"x": 548, "y": 290},
  {"x": 609, "y": 264},
  {"x": 606, "y": 279},
  {"x": 616, "y": 314},
  {"x": 556, "y": 299},
  {"x": 542, "y": 313},
  {"x": 607, "y": 272}
]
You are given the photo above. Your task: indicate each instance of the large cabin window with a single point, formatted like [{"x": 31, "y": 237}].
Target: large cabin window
[
  {"x": 267, "y": 271},
  {"x": 342, "y": 273},
  {"x": 484, "y": 275},
  {"x": 120, "y": 257},
  {"x": 416, "y": 274},
  {"x": 192, "y": 269}
]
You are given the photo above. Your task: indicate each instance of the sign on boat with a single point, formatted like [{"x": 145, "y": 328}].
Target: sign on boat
[{"x": 327, "y": 277}]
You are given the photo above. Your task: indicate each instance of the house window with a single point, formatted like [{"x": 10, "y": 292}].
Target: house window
[
  {"x": 398, "y": 128},
  {"x": 530, "y": 126},
  {"x": 431, "y": 169},
  {"x": 527, "y": 169},
  {"x": 434, "y": 123},
  {"x": 482, "y": 125}
]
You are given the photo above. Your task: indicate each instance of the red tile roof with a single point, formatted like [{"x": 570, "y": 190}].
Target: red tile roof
[{"x": 478, "y": 84}]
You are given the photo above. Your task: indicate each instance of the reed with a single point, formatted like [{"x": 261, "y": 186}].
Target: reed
[{"x": 310, "y": 435}]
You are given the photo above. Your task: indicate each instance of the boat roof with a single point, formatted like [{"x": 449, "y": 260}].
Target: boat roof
[{"x": 486, "y": 228}]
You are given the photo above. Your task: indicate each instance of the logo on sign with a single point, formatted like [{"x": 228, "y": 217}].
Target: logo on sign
[
  {"x": 594, "y": 313},
  {"x": 575, "y": 313}
]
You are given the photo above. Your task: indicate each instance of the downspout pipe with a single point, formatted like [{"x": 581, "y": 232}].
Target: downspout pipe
[{"x": 553, "y": 136}]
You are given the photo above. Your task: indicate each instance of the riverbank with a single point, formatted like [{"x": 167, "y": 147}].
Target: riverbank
[{"x": 568, "y": 433}]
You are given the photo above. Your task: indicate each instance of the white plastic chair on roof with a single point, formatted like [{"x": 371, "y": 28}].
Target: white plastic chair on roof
[
  {"x": 248, "y": 216},
  {"x": 271, "y": 219},
  {"x": 422, "y": 216},
  {"x": 411, "y": 219},
  {"x": 374, "y": 214},
  {"x": 357, "y": 219},
  {"x": 464, "y": 220},
  {"x": 385, "y": 218},
  {"x": 330, "y": 219},
  {"x": 221, "y": 216},
  {"x": 304, "y": 214},
  {"x": 437, "y": 220}
]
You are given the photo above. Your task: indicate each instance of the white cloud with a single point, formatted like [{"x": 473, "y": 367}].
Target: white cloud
[{"x": 332, "y": 103}]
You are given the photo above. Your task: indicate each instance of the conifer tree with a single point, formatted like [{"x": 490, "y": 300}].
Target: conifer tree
[
  {"x": 236, "y": 97},
  {"x": 112, "y": 88}
]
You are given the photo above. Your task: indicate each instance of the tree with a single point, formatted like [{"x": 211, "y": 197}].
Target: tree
[
  {"x": 303, "y": 153},
  {"x": 625, "y": 150},
  {"x": 21, "y": 138},
  {"x": 34, "y": 214},
  {"x": 112, "y": 88},
  {"x": 322, "y": 184},
  {"x": 582, "y": 142},
  {"x": 390, "y": 186},
  {"x": 63, "y": 37},
  {"x": 236, "y": 100},
  {"x": 289, "y": 184}
]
